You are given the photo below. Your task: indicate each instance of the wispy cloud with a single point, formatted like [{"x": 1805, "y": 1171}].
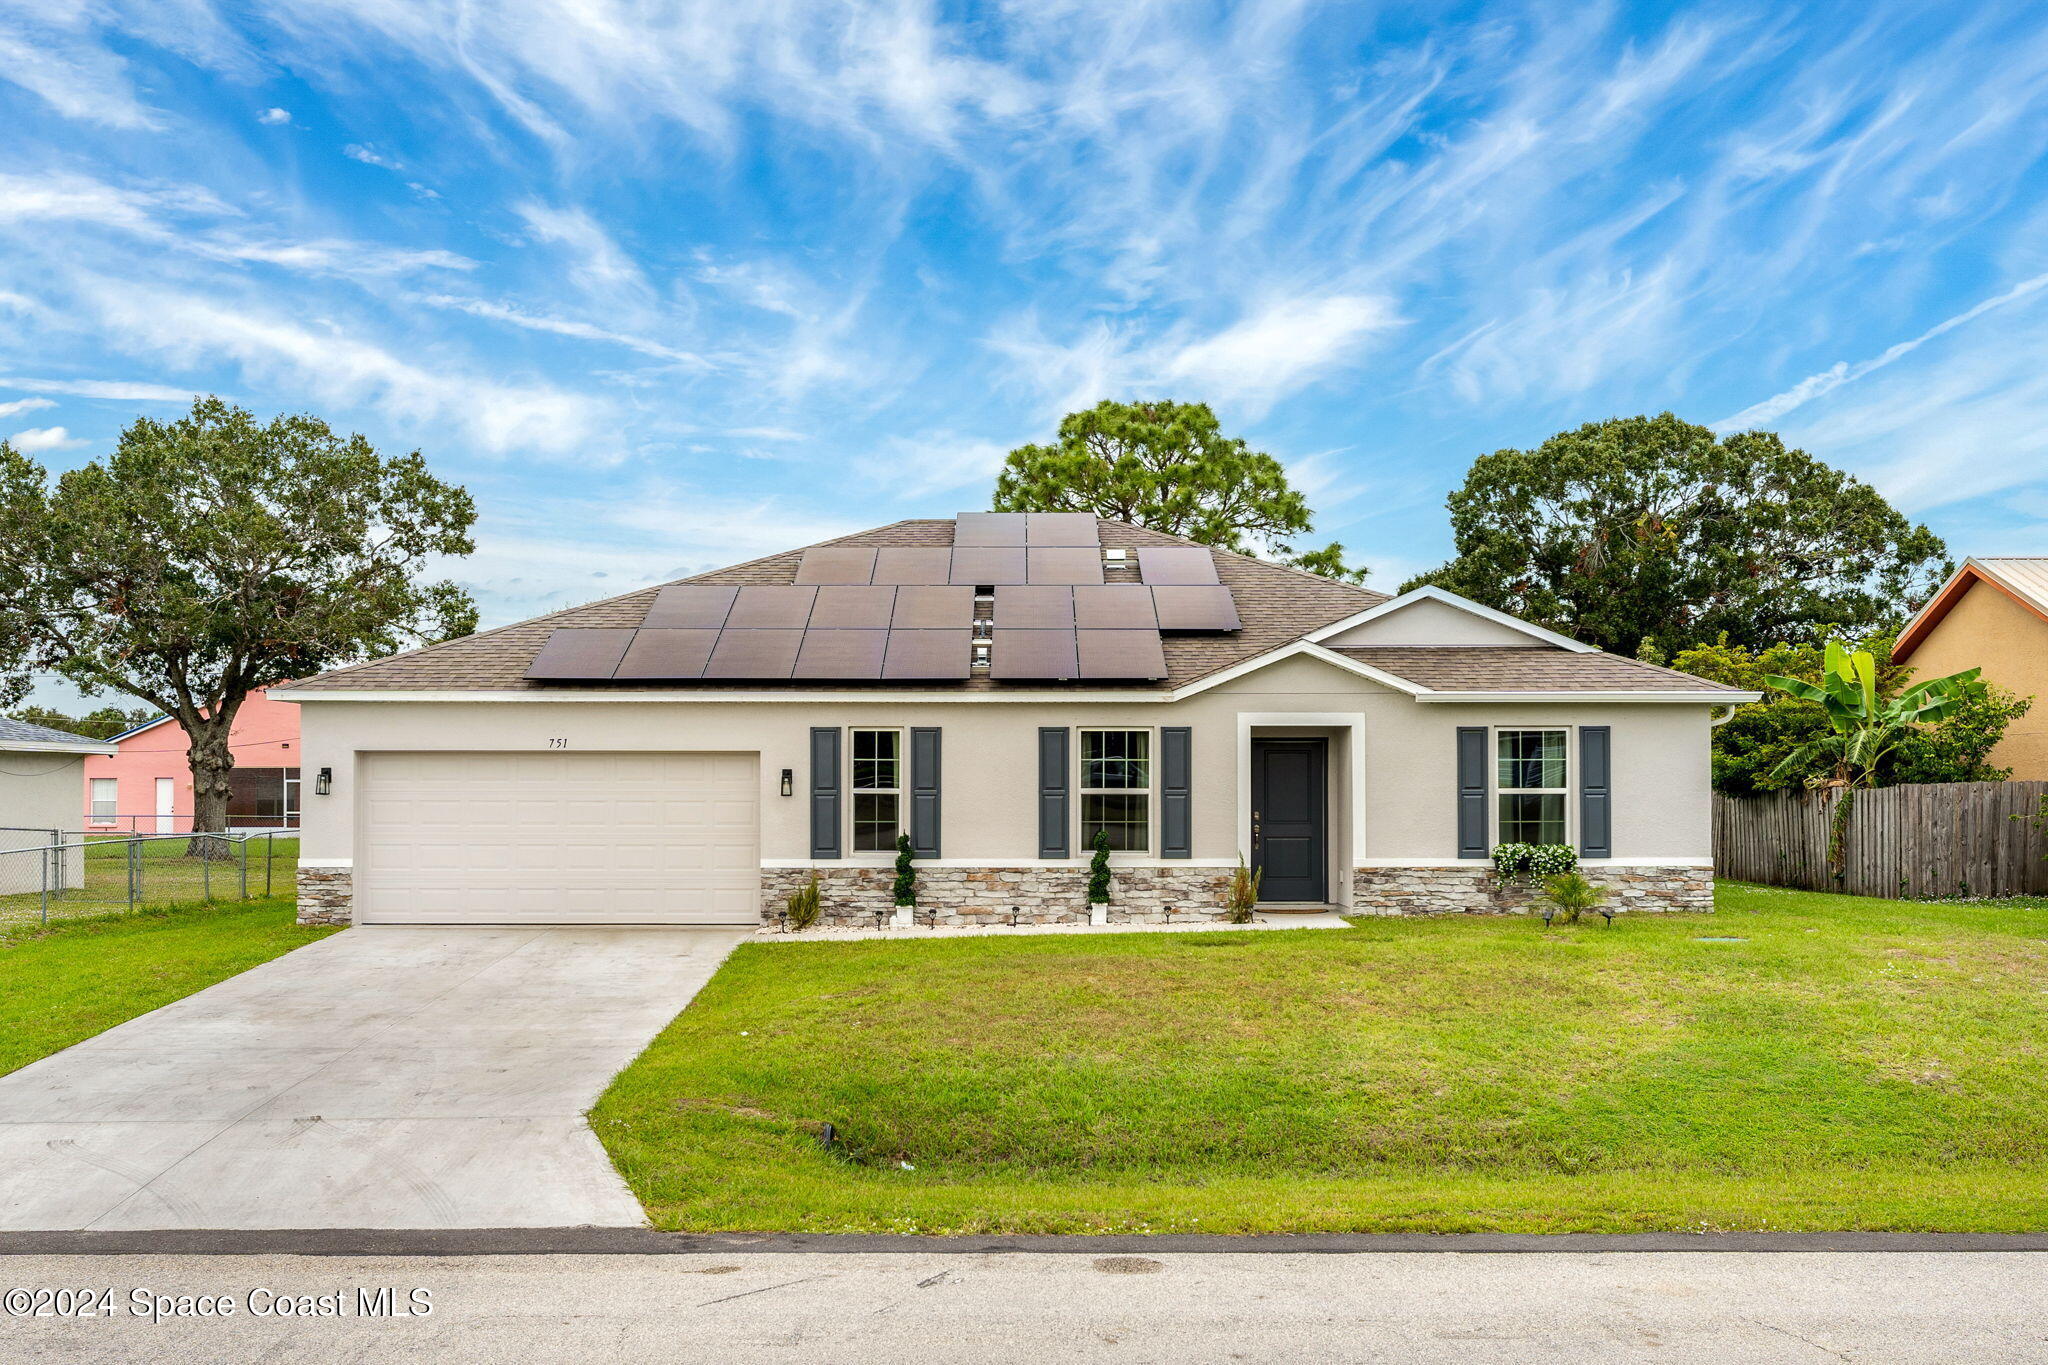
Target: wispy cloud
[
  {"x": 117, "y": 390},
  {"x": 1841, "y": 372},
  {"x": 37, "y": 439},
  {"x": 274, "y": 116},
  {"x": 21, "y": 405}
]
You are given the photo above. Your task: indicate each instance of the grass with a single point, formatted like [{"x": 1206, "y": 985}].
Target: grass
[
  {"x": 63, "y": 984},
  {"x": 1850, "y": 1063},
  {"x": 168, "y": 877}
]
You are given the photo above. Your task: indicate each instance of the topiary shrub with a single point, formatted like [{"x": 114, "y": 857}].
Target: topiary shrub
[
  {"x": 1098, "y": 870},
  {"x": 906, "y": 874}
]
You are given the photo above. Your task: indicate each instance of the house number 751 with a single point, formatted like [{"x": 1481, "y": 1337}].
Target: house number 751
[{"x": 558, "y": 744}]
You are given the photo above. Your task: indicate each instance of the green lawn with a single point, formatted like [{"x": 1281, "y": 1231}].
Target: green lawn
[
  {"x": 1850, "y": 1064},
  {"x": 70, "y": 981}
]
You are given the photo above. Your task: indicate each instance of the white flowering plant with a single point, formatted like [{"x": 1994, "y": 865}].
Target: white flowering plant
[{"x": 1529, "y": 863}]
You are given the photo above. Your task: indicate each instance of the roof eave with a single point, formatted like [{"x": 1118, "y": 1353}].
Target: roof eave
[
  {"x": 36, "y": 746},
  {"x": 1730, "y": 698}
]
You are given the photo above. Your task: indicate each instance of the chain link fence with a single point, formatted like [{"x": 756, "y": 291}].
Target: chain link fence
[{"x": 53, "y": 874}]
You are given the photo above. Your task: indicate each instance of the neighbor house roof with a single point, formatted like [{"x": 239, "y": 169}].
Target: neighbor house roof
[
  {"x": 1538, "y": 668},
  {"x": 2023, "y": 578},
  {"x": 20, "y": 736},
  {"x": 1279, "y": 608}
]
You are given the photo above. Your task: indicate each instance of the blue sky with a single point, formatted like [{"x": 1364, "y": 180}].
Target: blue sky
[{"x": 673, "y": 285}]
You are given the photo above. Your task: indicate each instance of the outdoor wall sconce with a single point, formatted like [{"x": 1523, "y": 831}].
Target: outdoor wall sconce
[
  {"x": 789, "y": 782},
  {"x": 324, "y": 783}
]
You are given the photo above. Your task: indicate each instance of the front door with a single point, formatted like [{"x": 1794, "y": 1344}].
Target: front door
[
  {"x": 166, "y": 806},
  {"x": 1289, "y": 799}
]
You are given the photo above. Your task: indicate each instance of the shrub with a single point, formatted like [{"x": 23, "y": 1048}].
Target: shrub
[
  {"x": 906, "y": 874},
  {"x": 802, "y": 908},
  {"x": 1524, "y": 863},
  {"x": 1569, "y": 895},
  {"x": 1243, "y": 893},
  {"x": 1098, "y": 870}
]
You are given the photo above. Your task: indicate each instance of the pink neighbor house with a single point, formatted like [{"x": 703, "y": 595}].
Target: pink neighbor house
[{"x": 146, "y": 786}]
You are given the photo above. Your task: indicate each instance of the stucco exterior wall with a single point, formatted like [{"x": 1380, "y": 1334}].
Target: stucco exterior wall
[
  {"x": 39, "y": 791},
  {"x": 265, "y": 735},
  {"x": 1398, "y": 805},
  {"x": 1986, "y": 629}
]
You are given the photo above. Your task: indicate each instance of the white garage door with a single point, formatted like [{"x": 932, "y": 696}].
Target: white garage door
[{"x": 541, "y": 838}]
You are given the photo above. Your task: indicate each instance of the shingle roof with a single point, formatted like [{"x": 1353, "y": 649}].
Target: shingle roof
[
  {"x": 22, "y": 732},
  {"x": 1541, "y": 668},
  {"x": 1276, "y": 604}
]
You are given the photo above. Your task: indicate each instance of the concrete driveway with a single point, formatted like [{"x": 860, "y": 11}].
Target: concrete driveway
[{"x": 380, "y": 1078}]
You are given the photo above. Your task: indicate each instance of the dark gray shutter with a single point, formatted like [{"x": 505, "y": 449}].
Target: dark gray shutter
[
  {"x": 1596, "y": 792},
  {"x": 1472, "y": 791},
  {"x": 825, "y": 792},
  {"x": 924, "y": 792},
  {"x": 1175, "y": 828},
  {"x": 1052, "y": 792}
]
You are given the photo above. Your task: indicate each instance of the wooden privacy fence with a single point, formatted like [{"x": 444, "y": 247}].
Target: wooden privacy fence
[{"x": 1915, "y": 843}]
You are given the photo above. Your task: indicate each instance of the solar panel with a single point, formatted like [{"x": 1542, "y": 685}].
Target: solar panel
[
  {"x": 1120, "y": 654},
  {"x": 1115, "y": 606},
  {"x": 933, "y": 609},
  {"x": 837, "y": 564},
  {"x": 912, "y": 564},
  {"x": 758, "y": 654},
  {"x": 1062, "y": 528},
  {"x": 580, "y": 655},
  {"x": 928, "y": 654},
  {"x": 1176, "y": 565},
  {"x": 1062, "y": 566},
  {"x": 667, "y": 654},
  {"x": 853, "y": 655},
  {"x": 691, "y": 606},
  {"x": 988, "y": 566},
  {"x": 1033, "y": 654},
  {"x": 853, "y": 608},
  {"x": 988, "y": 528},
  {"x": 1035, "y": 608},
  {"x": 771, "y": 608},
  {"x": 1196, "y": 608}
]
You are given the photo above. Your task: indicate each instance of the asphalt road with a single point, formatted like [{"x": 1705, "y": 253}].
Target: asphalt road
[{"x": 1585, "y": 1308}]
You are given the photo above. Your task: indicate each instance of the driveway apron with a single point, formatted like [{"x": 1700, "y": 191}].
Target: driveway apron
[{"x": 380, "y": 1078}]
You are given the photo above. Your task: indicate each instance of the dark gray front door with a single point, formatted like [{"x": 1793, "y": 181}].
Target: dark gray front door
[{"x": 1290, "y": 841}]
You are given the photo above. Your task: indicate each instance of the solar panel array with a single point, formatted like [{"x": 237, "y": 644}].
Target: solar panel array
[
  {"x": 774, "y": 633},
  {"x": 912, "y": 612}
]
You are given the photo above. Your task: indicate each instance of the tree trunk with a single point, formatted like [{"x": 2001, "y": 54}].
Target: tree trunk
[{"x": 211, "y": 762}]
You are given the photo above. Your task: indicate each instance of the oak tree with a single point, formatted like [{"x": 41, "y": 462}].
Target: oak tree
[
  {"x": 1168, "y": 466},
  {"x": 214, "y": 555},
  {"x": 1652, "y": 529}
]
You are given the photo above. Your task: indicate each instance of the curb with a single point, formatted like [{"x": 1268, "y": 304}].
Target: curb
[{"x": 589, "y": 1241}]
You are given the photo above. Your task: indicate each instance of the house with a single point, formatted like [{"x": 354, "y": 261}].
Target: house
[
  {"x": 1991, "y": 614},
  {"x": 39, "y": 774},
  {"x": 1002, "y": 689},
  {"x": 145, "y": 785}
]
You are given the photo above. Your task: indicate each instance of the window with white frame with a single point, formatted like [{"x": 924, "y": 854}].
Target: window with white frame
[
  {"x": 1116, "y": 789},
  {"x": 1531, "y": 784},
  {"x": 877, "y": 790},
  {"x": 106, "y": 798}
]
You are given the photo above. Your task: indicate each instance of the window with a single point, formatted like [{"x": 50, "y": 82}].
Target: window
[
  {"x": 263, "y": 798},
  {"x": 1116, "y": 789},
  {"x": 877, "y": 790},
  {"x": 1531, "y": 785},
  {"x": 106, "y": 803}
]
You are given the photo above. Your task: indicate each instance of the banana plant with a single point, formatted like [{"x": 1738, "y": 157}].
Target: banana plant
[{"x": 1865, "y": 726}]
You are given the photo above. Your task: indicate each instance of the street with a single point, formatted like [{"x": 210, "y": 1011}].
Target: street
[{"x": 908, "y": 1307}]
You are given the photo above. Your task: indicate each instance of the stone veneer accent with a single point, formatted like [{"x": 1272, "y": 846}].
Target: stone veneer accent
[
  {"x": 327, "y": 895},
  {"x": 982, "y": 897},
  {"x": 1475, "y": 890}
]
